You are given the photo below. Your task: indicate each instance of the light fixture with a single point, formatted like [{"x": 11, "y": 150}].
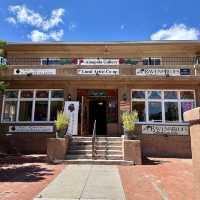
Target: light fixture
[
  {"x": 124, "y": 97},
  {"x": 69, "y": 98}
]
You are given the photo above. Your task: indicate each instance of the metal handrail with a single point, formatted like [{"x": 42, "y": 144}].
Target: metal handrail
[{"x": 94, "y": 141}]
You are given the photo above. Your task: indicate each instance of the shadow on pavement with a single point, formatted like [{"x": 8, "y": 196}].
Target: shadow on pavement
[
  {"x": 153, "y": 161},
  {"x": 30, "y": 173}
]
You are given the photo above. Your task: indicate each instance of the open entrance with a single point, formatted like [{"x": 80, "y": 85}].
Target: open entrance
[
  {"x": 97, "y": 111},
  {"x": 98, "y": 104}
]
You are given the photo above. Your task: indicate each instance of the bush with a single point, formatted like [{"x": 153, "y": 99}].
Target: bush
[
  {"x": 129, "y": 119},
  {"x": 62, "y": 120}
]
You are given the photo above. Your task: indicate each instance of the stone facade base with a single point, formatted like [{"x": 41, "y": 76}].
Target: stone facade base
[
  {"x": 132, "y": 151},
  {"x": 57, "y": 148}
]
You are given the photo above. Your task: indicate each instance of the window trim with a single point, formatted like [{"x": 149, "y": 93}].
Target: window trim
[
  {"x": 163, "y": 100},
  {"x": 33, "y": 100}
]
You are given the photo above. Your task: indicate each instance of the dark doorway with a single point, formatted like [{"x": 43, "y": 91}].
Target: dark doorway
[{"x": 97, "y": 110}]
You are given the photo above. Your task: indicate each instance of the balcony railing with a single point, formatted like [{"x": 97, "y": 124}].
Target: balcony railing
[{"x": 137, "y": 61}]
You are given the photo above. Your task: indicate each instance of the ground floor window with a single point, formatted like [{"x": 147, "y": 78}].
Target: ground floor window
[
  {"x": 32, "y": 105},
  {"x": 162, "y": 106}
]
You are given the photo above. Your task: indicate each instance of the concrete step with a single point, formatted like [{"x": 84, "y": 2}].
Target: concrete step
[
  {"x": 81, "y": 143},
  {"x": 109, "y": 143},
  {"x": 80, "y": 147},
  {"x": 109, "y": 139},
  {"x": 108, "y": 152},
  {"x": 111, "y": 147},
  {"x": 98, "y": 162},
  {"x": 78, "y": 151},
  {"x": 78, "y": 156},
  {"x": 79, "y": 139}
]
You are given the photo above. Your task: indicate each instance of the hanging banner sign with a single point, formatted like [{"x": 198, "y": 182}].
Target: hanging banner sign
[
  {"x": 165, "y": 129},
  {"x": 162, "y": 72},
  {"x": 125, "y": 106},
  {"x": 35, "y": 72},
  {"x": 31, "y": 129},
  {"x": 71, "y": 108},
  {"x": 100, "y": 72},
  {"x": 98, "y": 61}
]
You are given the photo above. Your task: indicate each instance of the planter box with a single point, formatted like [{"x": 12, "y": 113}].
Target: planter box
[
  {"x": 57, "y": 148},
  {"x": 132, "y": 151}
]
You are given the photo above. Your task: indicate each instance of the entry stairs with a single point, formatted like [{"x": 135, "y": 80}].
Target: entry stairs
[{"x": 108, "y": 151}]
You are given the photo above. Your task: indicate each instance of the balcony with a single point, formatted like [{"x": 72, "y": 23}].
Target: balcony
[{"x": 139, "y": 61}]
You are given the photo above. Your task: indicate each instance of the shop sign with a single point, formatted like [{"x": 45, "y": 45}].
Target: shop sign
[
  {"x": 165, "y": 129},
  {"x": 71, "y": 108},
  {"x": 31, "y": 129},
  {"x": 162, "y": 72},
  {"x": 98, "y": 61},
  {"x": 125, "y": 106},
  {"x": 98, "y": 72},
  {"x": 35, "y": 72}
]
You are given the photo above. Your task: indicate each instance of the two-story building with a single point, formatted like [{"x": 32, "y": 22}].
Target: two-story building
[{"x": 158, "y": 79}]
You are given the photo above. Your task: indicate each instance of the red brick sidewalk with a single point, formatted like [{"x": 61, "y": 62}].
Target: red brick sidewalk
[
  {"x": 159, "y": 179},
  {"x": 23, "y": 177}
]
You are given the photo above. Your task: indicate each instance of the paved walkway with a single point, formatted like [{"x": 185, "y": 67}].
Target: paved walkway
[{"x": 85, "y": 182}]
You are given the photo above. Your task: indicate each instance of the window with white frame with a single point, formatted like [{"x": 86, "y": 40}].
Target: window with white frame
[
  {"x": 162, "y": 106},
  {"x": 26, "y": 105},
  {"x": 50, "y": 61}
]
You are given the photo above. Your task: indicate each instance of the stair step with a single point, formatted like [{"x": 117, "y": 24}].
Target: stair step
[
  {"x": 112, "y": 147},
  {"x": 115, "y": 143},
  {"x": 82, "y": 151},
  {"x": 108, "y": 152},
  {"x": 98, "y": 162},
  {"x": 78, "y": 156}
]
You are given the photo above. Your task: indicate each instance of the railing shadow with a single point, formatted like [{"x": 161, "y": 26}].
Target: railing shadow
[{"x": 153, "y": 161}]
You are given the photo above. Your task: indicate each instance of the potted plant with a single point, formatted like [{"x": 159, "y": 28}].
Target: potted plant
[
  {"x": 61, "y": 124},
  {"x": 128, "y": 120},
  {"x": 2, "y": 45}
]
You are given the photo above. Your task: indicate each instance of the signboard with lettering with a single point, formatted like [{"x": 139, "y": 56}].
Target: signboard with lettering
[
  {"x": 98, "y": 72},
  {"x": 31, "y": 129},
  {"x": 35, "y": 72},
  {"x": 162, "y": 72},
  {"x": 98, "y": 61},
  {"x": 165, "y": 129}
]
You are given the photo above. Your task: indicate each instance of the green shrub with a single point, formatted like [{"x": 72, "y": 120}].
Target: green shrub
[
  {"x": 62, "y": 120},
  {"x": 3, "y": 86},
  {"x": 129, "y": 119},
  {"x": 2, "y": 43}
]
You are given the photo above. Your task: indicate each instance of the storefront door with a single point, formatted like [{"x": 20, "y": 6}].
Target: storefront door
[{"x": 97, "y": 111}]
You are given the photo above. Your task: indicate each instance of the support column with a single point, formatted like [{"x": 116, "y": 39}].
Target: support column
[{"x": 193, "y": 116}]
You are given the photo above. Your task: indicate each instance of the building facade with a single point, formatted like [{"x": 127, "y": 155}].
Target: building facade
[{"x": 160, "y": 80}]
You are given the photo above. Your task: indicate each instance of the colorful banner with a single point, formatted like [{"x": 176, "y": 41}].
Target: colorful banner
[{"x": 71, "y": 108}]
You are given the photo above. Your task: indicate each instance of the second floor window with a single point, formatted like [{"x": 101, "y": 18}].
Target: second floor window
[{"x": 151, "y": 61}]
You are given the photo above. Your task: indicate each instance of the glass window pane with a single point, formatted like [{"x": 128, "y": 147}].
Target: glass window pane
[
  {"x": 57, "y": 94},
  {"x": 42, "y": 94},
  {"x": 171, "y": 111},
  {"x": 10, "y": 110},
  {"x": 55, "y": 107},
  {"x": 25, "y": 110},
  {"x": 156, "y": 61},
  {"x": 138, "y": 94},
  {"x": 26, "y": 94},
  {"x": 139, "y": 106},
  {"x": 155, "y": 111},
  {"x": 145, "y": 61},
  {"x": 170, "y": 95},
  {"x": 154, "y": 94},
  {"x": 185, "y": 106},
  {"x": 187, "y": 94},
  {"x": 11, "y": 94},
  {"x": 41, "y": 110}
]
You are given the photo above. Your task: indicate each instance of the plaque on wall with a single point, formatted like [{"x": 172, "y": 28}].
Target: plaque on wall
[
  {"x": 31, "y": 129},
  {"x": 165, "y": 129},
  {"x": 35, "y": 72},
  {"x": 98, "y": 72}
]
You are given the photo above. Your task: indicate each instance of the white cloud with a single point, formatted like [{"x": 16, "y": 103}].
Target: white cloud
[
  {"x": 24, "y": 15},
  {"x": 11, "y": 20},
  {"x": 176, "y": 32},
  {"x": 38, "y": 36}
]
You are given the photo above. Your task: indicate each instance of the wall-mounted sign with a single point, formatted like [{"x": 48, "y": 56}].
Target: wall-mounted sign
[
  {"x": 31, "y": 129},
  {"x": 165, "y": 129},
  {"x": 98, "y": 61},
  {"x": 100, "y": 72},
  {"x": 162, "y": 72},
  {"x": 35, "y": 72},
  {"x": 71, "y": 108}
]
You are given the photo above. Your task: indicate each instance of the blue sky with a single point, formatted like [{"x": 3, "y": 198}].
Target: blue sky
[{"x": 99, "y": 20}]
